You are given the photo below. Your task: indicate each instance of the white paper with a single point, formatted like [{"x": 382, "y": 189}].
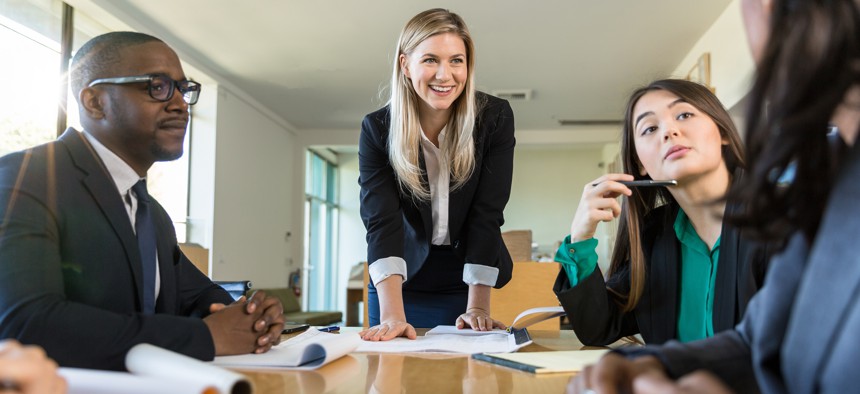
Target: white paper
[
  {"x": 446, "y": 343},
  {"x": 146, "y": 360},
  {"x": 91, "y": 381},
  {"x": 308, "y": 350},
  {"x": 442, "y": 330}
]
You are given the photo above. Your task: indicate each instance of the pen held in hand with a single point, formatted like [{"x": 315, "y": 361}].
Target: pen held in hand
[{"x": 645, "y": 183}]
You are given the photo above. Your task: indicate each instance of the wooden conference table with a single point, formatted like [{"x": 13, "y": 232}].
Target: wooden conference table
[{"x": 419, "y": 373}]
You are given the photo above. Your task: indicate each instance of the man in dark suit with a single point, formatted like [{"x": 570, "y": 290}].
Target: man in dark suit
[{"x": 89, "y": 263}]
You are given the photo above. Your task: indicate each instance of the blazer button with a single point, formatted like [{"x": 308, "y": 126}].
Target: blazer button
[{"x": 456, "y": 244}]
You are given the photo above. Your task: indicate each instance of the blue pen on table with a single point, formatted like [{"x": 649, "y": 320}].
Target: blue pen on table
[{"x": 329, "y": 329}]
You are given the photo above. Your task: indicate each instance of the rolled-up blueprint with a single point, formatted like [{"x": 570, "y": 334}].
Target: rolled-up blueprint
[
  {"x": 93, "y": 381},
  {"x": 146, "y": 360}
]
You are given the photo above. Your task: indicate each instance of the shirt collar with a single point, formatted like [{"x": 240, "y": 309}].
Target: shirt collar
[
  {"x": 429, "y": 143},
  {"x": 688, "y": 236},
  {"x": 124, "y": 177}
]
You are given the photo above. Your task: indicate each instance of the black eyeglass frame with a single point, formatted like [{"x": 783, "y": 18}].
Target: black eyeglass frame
[{"x": 190, "y": 92}]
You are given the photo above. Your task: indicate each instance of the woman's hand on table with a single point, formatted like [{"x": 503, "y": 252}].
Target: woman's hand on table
[
  {"x": 388, "y": 330},
  {"x": 479, "y": 320}
]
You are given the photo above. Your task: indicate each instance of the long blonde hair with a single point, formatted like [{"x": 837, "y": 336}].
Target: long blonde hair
[{"x": 404, "y": 137}]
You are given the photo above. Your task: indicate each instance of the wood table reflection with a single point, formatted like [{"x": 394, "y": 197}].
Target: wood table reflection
[{"x": 419, "y": 373}]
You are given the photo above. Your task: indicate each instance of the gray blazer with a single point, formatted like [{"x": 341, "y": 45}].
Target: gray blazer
[{"x": 800, "y": 332}]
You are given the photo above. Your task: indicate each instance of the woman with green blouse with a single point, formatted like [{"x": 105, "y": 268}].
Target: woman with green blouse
[{"x": 677, "y": 271}]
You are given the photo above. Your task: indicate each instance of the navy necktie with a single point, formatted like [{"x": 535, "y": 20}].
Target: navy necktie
[{"x": 146, "y": 242}]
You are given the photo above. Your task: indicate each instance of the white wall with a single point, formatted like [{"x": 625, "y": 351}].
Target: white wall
[
  {"x": 732, "y": 66},
  {"x": 545, "y": 192},
  {"x": 201, "y": 171},
  {"x": 254, "y": 196}
]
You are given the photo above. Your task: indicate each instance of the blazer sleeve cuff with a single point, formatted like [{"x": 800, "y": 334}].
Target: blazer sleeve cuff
[
  {"x": 476, "y": 274},
  {"x": 383, "y": 268},
  {"x": 577, "y": 258}
]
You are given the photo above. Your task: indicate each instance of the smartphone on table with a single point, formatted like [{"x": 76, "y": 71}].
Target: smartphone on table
[{"x": 294, "y": 328}]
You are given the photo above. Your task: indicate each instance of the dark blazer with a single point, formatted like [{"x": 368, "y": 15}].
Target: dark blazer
[
  {"x": 799, "y": 334},
  {"x": 598, "y": 319},
  {"x": 401, "y": 227},
  {"x": 70, "y": 270}
]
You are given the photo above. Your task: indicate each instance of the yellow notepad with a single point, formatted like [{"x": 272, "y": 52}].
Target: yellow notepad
[{"x": 545, "y": 362}]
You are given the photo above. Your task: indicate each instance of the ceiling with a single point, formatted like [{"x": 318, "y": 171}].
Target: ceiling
[{"x": 320, "y": 65}]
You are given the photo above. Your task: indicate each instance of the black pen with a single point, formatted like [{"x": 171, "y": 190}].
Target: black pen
[
  {"x": 645, "y": 183},
  {"x": 293, "y": 328}
]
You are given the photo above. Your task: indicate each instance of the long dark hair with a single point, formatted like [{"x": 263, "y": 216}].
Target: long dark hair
[
  {"x": 811, "y": 59},
  {"x": 628, "y": 244}
]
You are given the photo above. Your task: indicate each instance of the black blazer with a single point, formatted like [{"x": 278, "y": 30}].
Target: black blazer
[
  {"x": 598, "y": 319},
  {"x": 70, "y": 270},
  {"x": 401, "y": 227},
  {"x": 799, "y": 334}
]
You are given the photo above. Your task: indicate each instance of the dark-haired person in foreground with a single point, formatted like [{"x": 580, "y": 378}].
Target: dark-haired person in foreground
[
  {"x": 799, "y": 334},
  {"x": 89, "y": 263}
]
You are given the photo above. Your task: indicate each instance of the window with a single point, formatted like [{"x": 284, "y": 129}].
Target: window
[
  {"x": 31, "y": 79},
  {"x": 168, "y": 183},
  {"x": 321, "y": 231},
  {"x": 29, "y": 107}
]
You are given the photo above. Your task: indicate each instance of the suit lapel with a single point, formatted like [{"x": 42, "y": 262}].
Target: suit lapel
[
  {"x": 726, "y": 282},
  {"x": 662, "y": 284},
  {"x": 832, "y": 275},
  {"x": 166, "y": 262},
  {"x": 103, "y": 190}
]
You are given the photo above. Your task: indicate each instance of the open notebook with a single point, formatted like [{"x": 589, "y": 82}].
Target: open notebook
[
  {"x": 450, "y": 339},
  {"x": 523, "y": 320},
  {"x": 308, "y": 350}
]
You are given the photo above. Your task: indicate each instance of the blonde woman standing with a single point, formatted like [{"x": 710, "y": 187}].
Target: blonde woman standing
[{"x": 435, "y": 176}]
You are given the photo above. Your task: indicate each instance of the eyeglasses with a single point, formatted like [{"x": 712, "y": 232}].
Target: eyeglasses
[{"x": 161, "y": 86}]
